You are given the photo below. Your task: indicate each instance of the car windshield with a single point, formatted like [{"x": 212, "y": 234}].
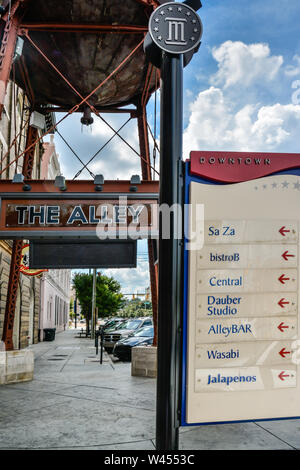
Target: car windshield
[
  {"x": 130, "y": 325},
  {"x": 119, "y": 324},
  {"x": 147, "y": 331},
  {"x": 113, "y": 324}
]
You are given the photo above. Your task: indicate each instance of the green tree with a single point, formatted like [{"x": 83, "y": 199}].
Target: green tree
[
  {"x": 108, "y": 296},
  {"x": 137, "y": 308},
  {"x": 71, "y": 308}
]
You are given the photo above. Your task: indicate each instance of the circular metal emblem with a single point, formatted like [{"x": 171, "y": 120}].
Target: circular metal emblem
[{"x": 175, "y": 28}]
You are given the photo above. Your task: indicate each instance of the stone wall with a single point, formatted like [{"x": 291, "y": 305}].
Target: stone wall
[
  {"x": 144, "y": 361},
  {"x": 16, "y": 366}
]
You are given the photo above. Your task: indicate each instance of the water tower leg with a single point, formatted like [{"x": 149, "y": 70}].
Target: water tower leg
[
  {"x": 7, "y": 49},
  {"x": 146, "y": 175}
]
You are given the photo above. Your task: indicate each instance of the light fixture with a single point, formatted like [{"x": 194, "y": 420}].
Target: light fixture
[
  {"x": 60, "y": 182},
  {"x": 18, "y": 178},
  {"x": 98, "y": 182},
  {"x": 37, "y": 120},
  {"x": 18, "y": 48},
  {"x": 135, "y": 179},
  {"x": 87, "y": 119}
]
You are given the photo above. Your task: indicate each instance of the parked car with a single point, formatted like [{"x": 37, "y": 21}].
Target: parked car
[
  {"x": 113, "y": 323},
  {"x": 123, "y": 331},
  {"x": 143, "y": 337}
]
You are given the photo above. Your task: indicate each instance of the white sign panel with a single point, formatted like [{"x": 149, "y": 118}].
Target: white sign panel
[{"x": 243, "y": 338}]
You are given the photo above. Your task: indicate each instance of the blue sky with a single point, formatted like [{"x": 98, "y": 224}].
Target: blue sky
[{"x": 240, "y": 93}]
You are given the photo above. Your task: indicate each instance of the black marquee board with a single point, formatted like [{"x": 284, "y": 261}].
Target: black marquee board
[{"x": 83, "y": 254}]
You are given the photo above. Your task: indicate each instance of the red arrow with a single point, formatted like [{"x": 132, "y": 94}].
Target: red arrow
[
  {"x": 282, "y": 303},
  {"x": 282, "y": 279},
  {"x": 282, "y": 231},
  {"x": 283, "y": 352},
  {"x": 282, "y": 375},
  {"x": 282, "y": 326},
  {"x": 286, "y": 256}
]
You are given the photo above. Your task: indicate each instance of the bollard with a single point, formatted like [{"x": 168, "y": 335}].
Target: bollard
[
  {"x": 101, "y": 344},
  {"x": 97, "y": 341}
]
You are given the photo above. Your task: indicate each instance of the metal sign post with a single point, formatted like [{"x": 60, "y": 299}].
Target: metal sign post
[
  {"x": 94, "y": 304},
  {"x": 174, "y": 33},
  {"x": 169, "y": 337}
]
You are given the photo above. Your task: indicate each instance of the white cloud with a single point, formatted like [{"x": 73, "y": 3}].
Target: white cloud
[
  {"x": 117, "y": 160},
  {"x": 215, "y": 125},
  {"x": 227, "y": 117},
  {"x": 244, "y": 64},
  {"x": 132, "y": 280}
]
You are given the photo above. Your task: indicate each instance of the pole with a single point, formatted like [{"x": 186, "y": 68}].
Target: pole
[
  {"x": 170, "y": 263},
  {"x": 97, "y": 341},
  {"x": 101, "y": 344},
  {"x": 146, "y": 175},
  {"x": 75, "y": 311},
  {"x": 93, "y": 304}
]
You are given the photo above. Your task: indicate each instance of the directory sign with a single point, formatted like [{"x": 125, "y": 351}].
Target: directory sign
[{"x": 241, "y": 322}]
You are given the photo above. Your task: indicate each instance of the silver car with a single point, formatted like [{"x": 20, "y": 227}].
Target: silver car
[{"x": 123, "y": 331}]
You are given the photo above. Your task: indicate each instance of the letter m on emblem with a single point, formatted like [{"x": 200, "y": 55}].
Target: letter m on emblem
[{"x": 176, "y": 31}]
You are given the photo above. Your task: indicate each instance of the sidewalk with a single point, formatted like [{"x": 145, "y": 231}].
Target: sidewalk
[{"x": 76, "y": 403}]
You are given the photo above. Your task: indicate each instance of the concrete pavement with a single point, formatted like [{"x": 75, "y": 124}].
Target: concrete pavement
[{"x": 76, "y": 403}]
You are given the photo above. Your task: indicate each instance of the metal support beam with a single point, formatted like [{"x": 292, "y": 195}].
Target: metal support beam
[
  {"x": 7, "y": 49},
  {"x": 32, "y": 135},
  {"x": 144, "y": 142},
  {"x": 146, "y": 175},
  {"x": 100, "y": 109},
  {"x": 83, "y": 28},
  {"x": 86, "y": 188},
  {"x": 12, "y": 293},
  {"x": 149, "y": 3}
]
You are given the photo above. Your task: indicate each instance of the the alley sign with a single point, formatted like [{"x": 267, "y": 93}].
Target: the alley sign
[
  {"x": 75, "y": 214},
  {"x": 107, "y": 215}
]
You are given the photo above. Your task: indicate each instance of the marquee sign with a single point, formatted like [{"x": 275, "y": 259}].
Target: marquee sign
[
  {"x": 53, "y": 213},
  {"x": 242, "y": 314},
  {"x": 67, "y": 214}
]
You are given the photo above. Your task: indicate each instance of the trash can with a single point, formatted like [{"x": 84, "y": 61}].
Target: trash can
[{"x": 49, "y": 334}]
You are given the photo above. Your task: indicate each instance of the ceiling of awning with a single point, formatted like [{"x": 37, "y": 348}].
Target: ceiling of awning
[{"x": 70, "y": 33}]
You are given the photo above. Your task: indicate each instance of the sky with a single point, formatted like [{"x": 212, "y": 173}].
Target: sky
[{"x": 241, "y": 92}]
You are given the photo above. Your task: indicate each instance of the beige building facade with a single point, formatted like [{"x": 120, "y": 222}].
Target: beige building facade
[{"x": 13, "y": 131}]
